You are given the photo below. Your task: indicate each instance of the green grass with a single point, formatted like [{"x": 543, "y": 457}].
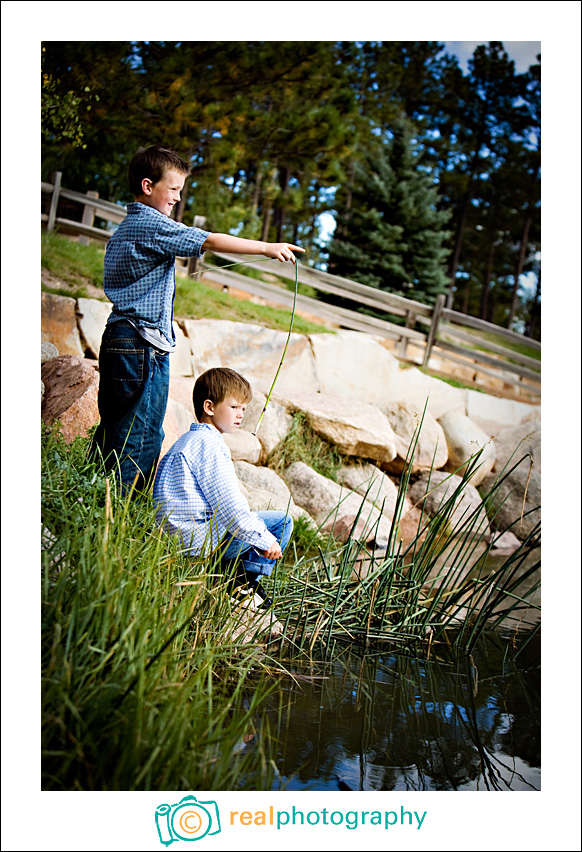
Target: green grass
[
  {"x": 143, "y": 684},
  {"x": 197, "y": 300},
  {"x": 72, "y": 262},
  {"x": 79, "y": 265},
  {"x": 302, "y": 444}
]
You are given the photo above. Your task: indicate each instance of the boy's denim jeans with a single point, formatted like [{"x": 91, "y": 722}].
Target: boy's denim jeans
[
  {"x": 134, "y": 380},
  {"x": 280, "y": 525}
]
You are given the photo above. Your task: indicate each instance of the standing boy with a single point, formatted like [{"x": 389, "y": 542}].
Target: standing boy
[
  {"x": 139, "y": 280},
  {"x": 198, "y": 493}
]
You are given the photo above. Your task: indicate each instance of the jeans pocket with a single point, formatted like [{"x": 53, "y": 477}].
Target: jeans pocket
[{"x": 126, "y": 370}]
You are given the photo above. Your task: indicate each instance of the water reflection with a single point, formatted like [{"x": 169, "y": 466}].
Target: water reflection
[{"x": 397, "y": 723}]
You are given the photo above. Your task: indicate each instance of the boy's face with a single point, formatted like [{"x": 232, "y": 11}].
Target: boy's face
[
  {"x": 226, "y": 416},
  {"x": 165, "y": 193}
]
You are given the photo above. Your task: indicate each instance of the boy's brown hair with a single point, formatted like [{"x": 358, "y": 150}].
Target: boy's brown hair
[
  {"x": 216, "y": 384},
  {"x": 152, "y": 163}
]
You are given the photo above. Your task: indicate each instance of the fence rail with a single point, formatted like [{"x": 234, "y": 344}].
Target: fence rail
[{"x": 444, "y": 330}]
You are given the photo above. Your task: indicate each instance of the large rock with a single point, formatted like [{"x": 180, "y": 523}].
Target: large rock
[
  {"x": 327, "y": 502},
  {"x": 243, "y": 446},
  {"x": 494, "y": 413},
  {"x": 508, "y": 506},
  {"x": 353, "y": 365},
  {"x": 181, "y": 358},
  {"x": 416, "y": 388},
  {"x": 468, "y": 509},
  {"x": 464, "y": 438},
  {"x": 265, "y": 490},
  {"x": 356, "y": 429},
  {"x": 368, "y": 481},
  {"x": 515, "y": 441},
  {"x": 92, "y": 316},
  {"x": 253, "y": 351},
  {"x": 177, "y": 421},
  {"x": 181, "y": 388},
  {"x": 275, "y": 425},
  {"x": 71, "y": 387},
  {"x": 431, "y": 446},
  {"x": 59, "y": 323}
]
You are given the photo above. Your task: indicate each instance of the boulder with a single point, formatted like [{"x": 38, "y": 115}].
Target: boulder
[
  {"x": 264, "y": 489},
  {"x": 415, "y": 388},
  {"x": 71, "y": 386},
  {"x": 243, "y": 446},
  {"x": 48, "y": 351},
  {"x": 177, "y": 421},
  {"x": 504, "y": 544},
  {"x": 275, "y": 425},
  {"x": 181, "y": 388},
  {"x": 356, "y": 428},
  {"x": 181, "y": 358},
  {"x": 253, "y": 351},
  {"x": 92, "y": 316},
  {"x": 431, "y": 447},
  {"x": 464, "y": 438},
  {"x": 353, "y": 365},
  {"x": 515, "y": 441},
  {"x": 494, "y": 413},
  {"x": 59, "y": 323},
  {"x": 508, "y": 505},
  {"x": 371, "y": 483},
  {"x": 327, "y": 502},
  {"x": 441, "y": 487}
]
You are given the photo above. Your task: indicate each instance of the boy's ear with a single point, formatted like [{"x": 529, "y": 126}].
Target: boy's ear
[
  {"x": 208, "y": 407},
  {"x": 146, "y": 186}
]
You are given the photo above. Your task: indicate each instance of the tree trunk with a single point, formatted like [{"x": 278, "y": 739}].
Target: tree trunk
[
  {"x": 266, "y": 223},
  {"x": 487, "y": 281},
  {"x": 279, "y": 218},
  {"x": 534, "y": 314},
  {"x": 519, "y": 265}
]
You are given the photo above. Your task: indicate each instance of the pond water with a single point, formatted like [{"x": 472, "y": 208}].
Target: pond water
[{"x": 392, "y": 722}]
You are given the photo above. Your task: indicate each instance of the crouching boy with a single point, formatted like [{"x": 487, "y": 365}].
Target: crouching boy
[{"x": 197, "y": 490}]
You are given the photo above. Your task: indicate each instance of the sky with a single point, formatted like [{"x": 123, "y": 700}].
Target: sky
[{"x": 523, "y": 53}]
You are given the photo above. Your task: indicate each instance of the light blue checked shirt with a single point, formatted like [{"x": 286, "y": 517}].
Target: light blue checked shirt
[
  {"x": 199, "y": 497},
  {"x": 139, "y": 266}
]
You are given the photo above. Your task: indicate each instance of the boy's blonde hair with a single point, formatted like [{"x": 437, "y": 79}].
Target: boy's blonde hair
[{"x": 216, "y": 384}]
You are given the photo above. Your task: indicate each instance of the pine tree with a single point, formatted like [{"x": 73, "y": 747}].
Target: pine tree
[{"x": 393, "y": 234}]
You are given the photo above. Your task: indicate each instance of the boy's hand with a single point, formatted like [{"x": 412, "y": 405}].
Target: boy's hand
[
  {"x": 274, "y": 552},
  {"x": 281, "y": 251}
]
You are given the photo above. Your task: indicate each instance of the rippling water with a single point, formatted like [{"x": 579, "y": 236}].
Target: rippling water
[{"x": 383, "y": 722}]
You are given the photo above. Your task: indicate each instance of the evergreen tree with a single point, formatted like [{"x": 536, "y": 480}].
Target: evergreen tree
[{"x": 392, "y": 236}]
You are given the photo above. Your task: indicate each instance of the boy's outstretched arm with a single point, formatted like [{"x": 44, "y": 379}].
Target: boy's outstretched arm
[{"x": 238, "y": 245}]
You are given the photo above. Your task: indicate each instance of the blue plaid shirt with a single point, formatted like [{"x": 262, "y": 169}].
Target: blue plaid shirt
[
  {"x": 139, "y": 266},
  {"x": 199, "y": 497}
]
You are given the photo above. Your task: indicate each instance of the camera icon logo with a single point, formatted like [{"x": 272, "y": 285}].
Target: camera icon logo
[{"x": 189, "y": 819}]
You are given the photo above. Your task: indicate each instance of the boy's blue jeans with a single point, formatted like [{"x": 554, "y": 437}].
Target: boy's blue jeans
[
  {"x": 134, "y": 380},
  {"x": 280, "y": 525}
]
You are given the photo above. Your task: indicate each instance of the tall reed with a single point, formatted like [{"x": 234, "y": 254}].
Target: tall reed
[{"x": 144, "y": 686}]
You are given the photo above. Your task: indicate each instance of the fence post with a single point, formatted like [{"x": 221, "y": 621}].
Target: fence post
[
  {"x": 409, "y": 323},
  {"x": 199, "y": 222},
  {"x": 88, "y": 217},
  {"x": 52, "y": 216},
  {"x": 433, "y": 330}
]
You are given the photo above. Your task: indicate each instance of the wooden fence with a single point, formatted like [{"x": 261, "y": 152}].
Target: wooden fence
[{"x": 427, "y": 332}]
